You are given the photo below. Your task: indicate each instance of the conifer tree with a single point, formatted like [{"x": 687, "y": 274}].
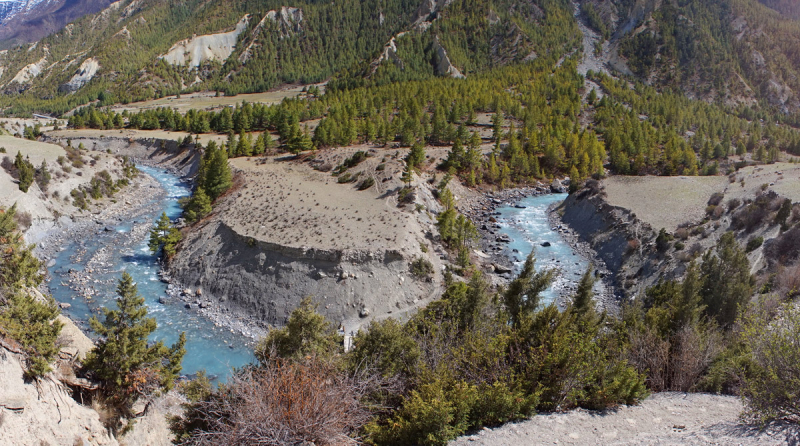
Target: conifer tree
[
  {"x": 164, "y": 236},
  {"x": 198, "y": 206},
  {"x": 122, "y": 359},
  {"x": 217, "y": 174}
]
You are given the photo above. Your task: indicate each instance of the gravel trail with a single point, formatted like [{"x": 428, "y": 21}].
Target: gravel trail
[{"x": 668, "y": 418}]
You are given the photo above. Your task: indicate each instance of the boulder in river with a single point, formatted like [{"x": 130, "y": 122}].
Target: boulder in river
[
  {"x": 557, "y": 187},
  {"x": 546, "y": 244}
]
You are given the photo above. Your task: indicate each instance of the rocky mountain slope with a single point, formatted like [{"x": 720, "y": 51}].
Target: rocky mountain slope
[
  {"x": 734, "y": 52},
  {"x": 25, "y": 21}
]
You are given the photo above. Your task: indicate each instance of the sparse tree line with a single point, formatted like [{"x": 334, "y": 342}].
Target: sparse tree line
[{"x": 536, "y": 125}]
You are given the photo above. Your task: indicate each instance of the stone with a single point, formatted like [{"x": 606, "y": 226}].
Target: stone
[
  {"x": 546, "y": 244},
  {"x": 500, "y": 269}
]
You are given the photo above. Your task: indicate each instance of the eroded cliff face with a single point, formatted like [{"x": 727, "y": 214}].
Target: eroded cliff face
[
  {"x": 266, "y": 281},
  {"x": 624, "y": 243},
  {"x": 288, "y": 229}
]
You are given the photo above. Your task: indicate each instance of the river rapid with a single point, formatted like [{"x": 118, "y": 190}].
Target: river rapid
[
  {"x": 85, "y": 271},
  {"x": 529, "y": 227}
]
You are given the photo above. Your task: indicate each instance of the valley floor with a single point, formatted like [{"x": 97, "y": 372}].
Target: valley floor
[{"x": 668, "y": 418}]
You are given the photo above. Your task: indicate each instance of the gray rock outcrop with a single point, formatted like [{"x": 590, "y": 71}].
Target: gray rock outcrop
[{"x": 265, "y": 281}]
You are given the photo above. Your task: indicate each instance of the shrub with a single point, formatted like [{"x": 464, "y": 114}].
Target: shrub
[
  {"x": 662, "y": 240},
  {"x": 754, "y": 243},
  {"x": 786, "y": 247},
  {"x": 716, "y": 199},
  {"x": 422, "y": 268},
  {"x": 770, "y": 391},
  {"x": 285, "y": 402},
  {"x": 366, "y": 183},
  {"x": 306, "y": 334},
  {"x": 733, "y": 203},
  {"x": 388, "y": 347}
]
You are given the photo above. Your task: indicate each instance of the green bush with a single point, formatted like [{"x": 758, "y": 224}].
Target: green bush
[
  {"x": 366, "y": 183},
  {"x": 431, "y": 416},
  {"x": 771, "y": 389},
  {"x": 32, "y": 324},
  {"x": 754, "y": 243},
  {"x": 421, "y": 267},
  {"x": 307, "y": 333}
]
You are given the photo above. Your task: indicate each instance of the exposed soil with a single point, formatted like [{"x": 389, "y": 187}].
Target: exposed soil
[{"x": 663, "y": 419}]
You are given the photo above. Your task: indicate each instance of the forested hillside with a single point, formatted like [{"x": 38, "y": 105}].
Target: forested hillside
[
  {"x": 730, "y": 52},
  {"x": 787, "y": 7},
  {"x": 309, "y": 42}
]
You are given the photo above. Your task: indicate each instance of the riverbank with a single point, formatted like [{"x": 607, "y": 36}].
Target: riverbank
[
  {"x": 86, "y": 254},
  {"x": 499, "y": 260}
]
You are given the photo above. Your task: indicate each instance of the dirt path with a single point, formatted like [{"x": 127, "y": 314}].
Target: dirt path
[{"x": 663, "y": 419}]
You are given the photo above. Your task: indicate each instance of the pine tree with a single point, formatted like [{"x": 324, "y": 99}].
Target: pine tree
[
  {"x": 18, "y": 266},
  {"x": 164, "y": 236},
  {"x": 217, "y": 175},
  {"x": 198, "y": 206},
  {"x": 497, "y": 126},
  {"x": 521, "y": 298},
  {"x": 727, "y": 283},
  {"x": 33, "y": 325},
  {"x": 122, "y": 358},
  {"x": 25, "y": 171},
  {"x": 416, "y": 156}
]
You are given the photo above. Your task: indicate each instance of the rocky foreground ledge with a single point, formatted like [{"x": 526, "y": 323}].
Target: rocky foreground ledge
[{"x": 669, "y": 418}]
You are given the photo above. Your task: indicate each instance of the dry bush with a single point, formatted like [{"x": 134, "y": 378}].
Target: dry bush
[
  {"x": 691, "y": 355},
  {"x": 286, "y": 403},
  {"x": 24, "y": 220},
  {"x": 633, "y": 245},
  {"x": 676, "y": 364},
  {"x": 785, "y": 248},
  {"x": 788, "y": 281},
  {"x": 716, "y": 199},
  {"x": 682, "y": 234},
  {"x": 649, "y": 354}
]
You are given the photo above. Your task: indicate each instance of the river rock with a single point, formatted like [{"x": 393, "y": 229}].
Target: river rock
[
  {"x": 500, "y": 269},
  {"x": 557, "y": 187},
  {"x": 546, "y": 244}
]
